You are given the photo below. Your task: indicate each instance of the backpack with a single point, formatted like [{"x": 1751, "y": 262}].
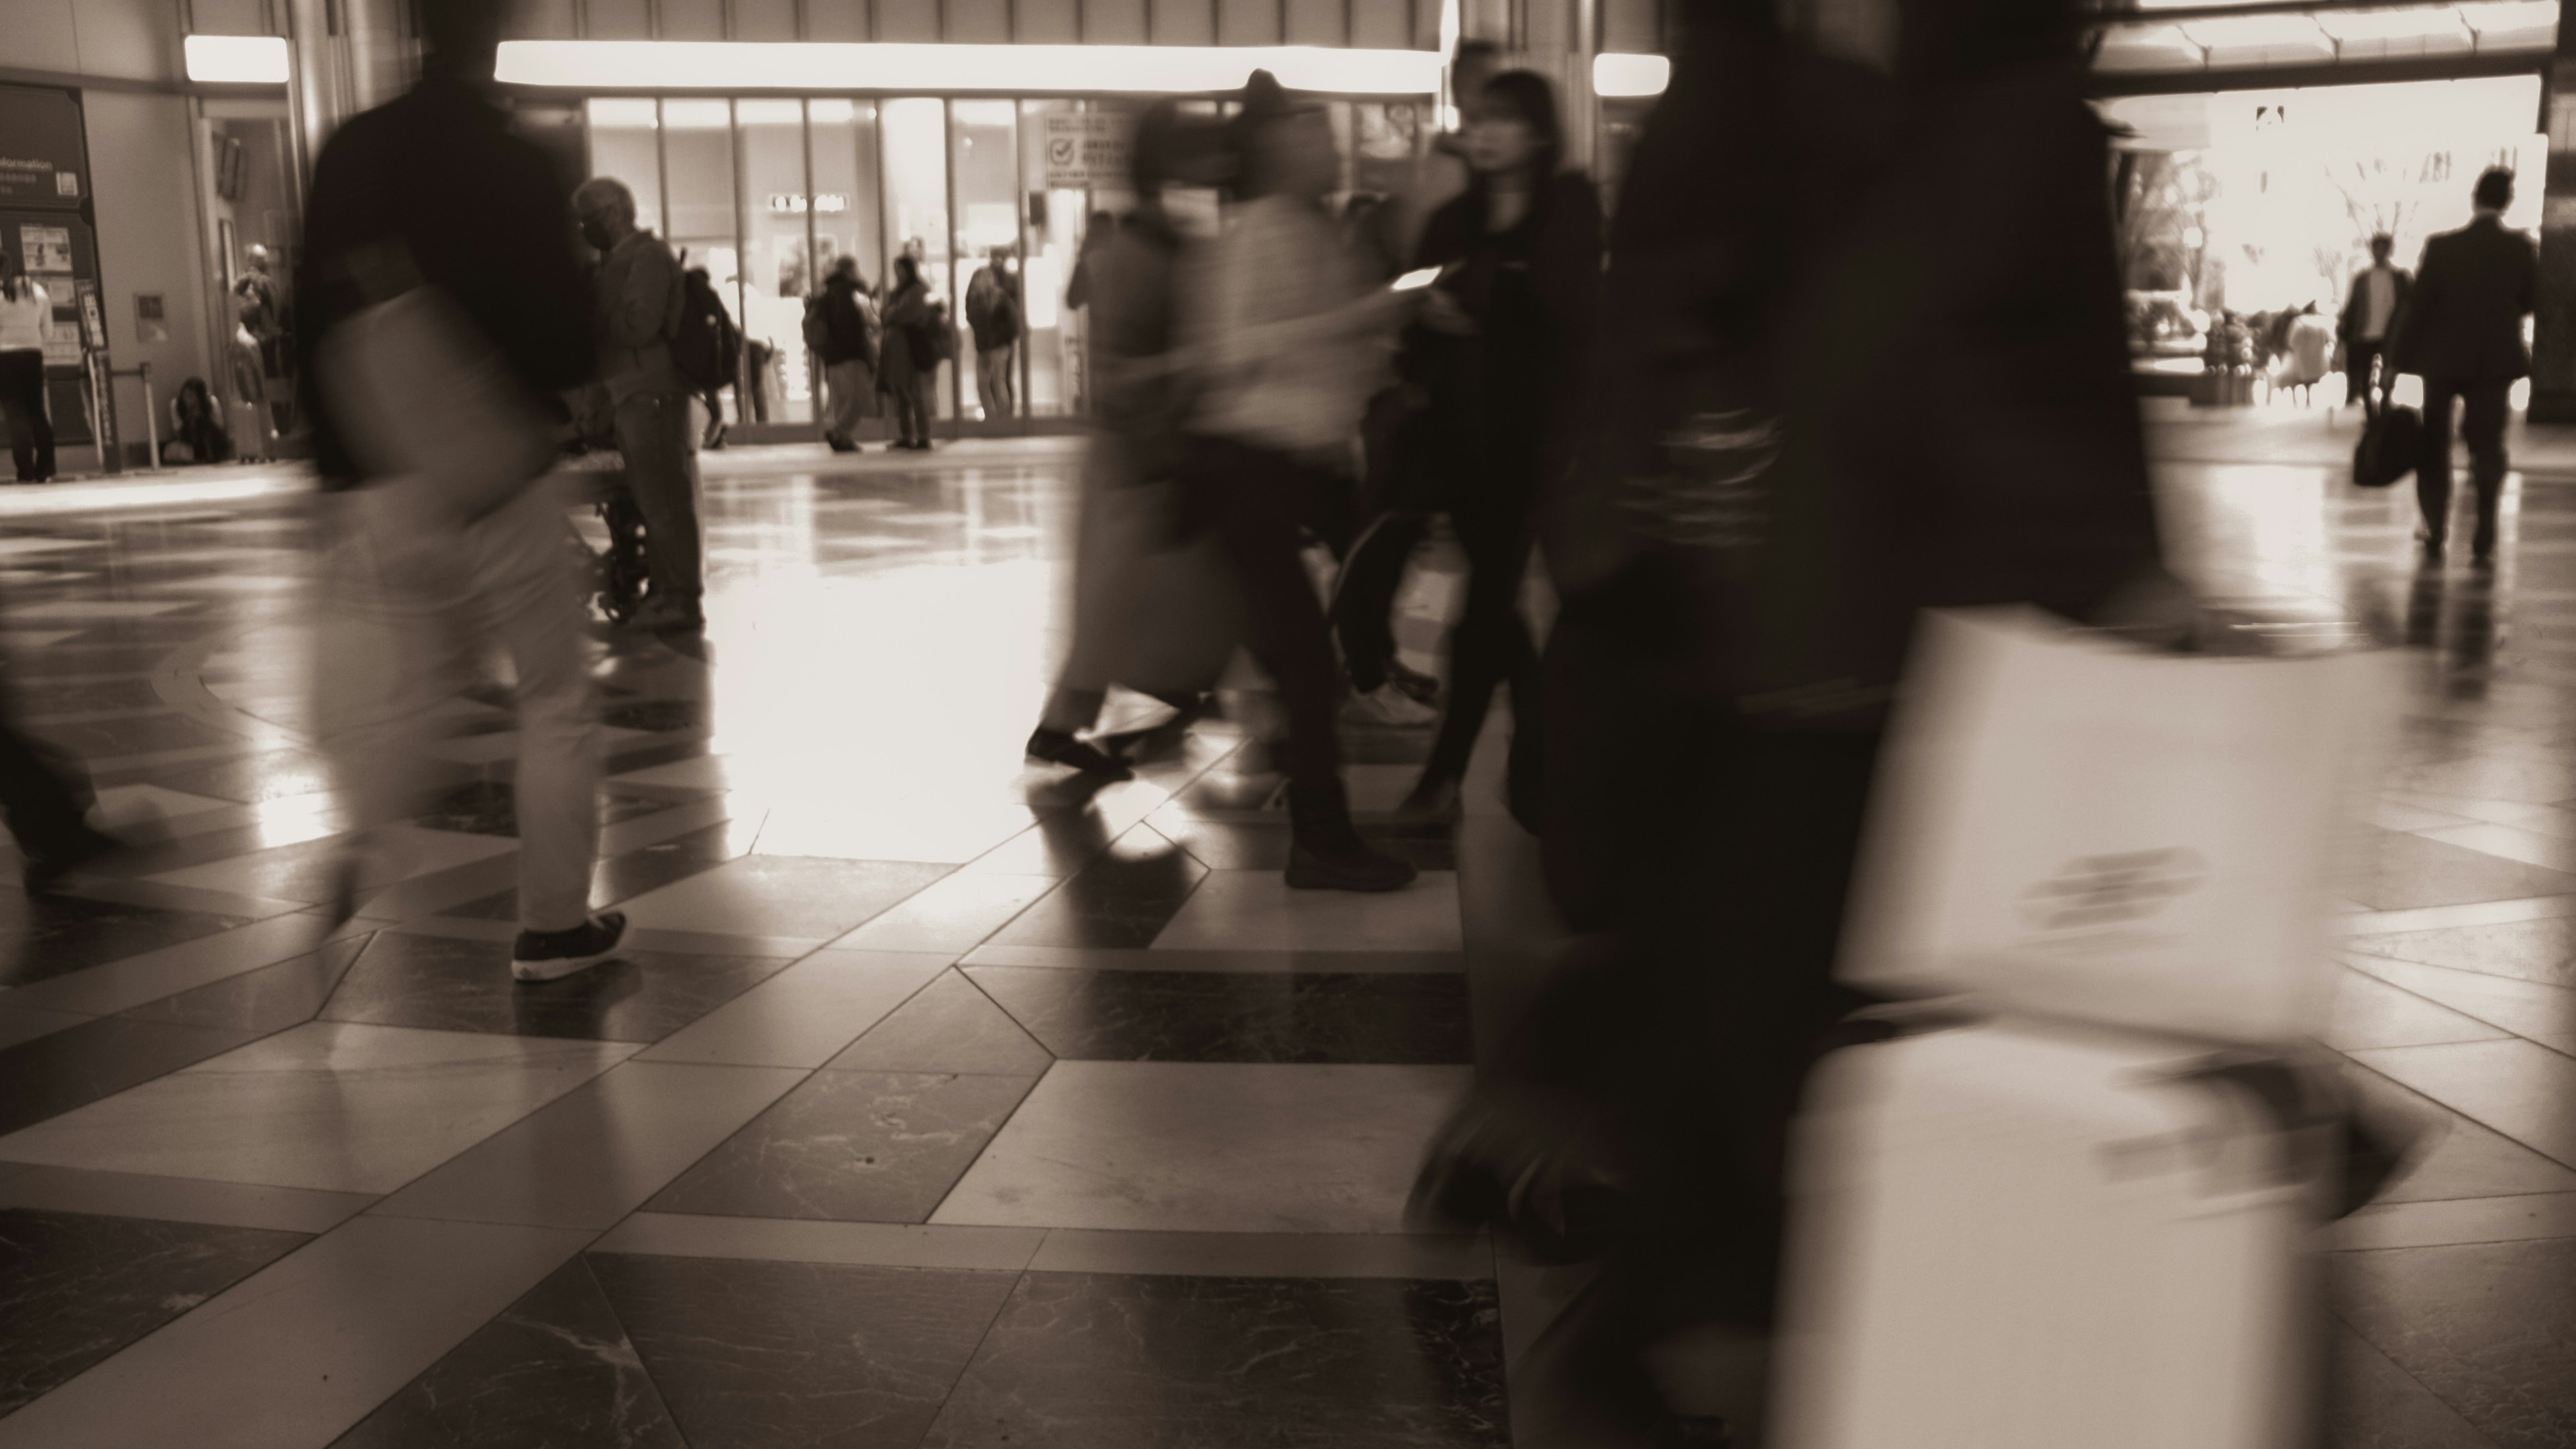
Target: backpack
[
  {"x": 698, "y": 347},
  {"x": 818, "y": 330}
]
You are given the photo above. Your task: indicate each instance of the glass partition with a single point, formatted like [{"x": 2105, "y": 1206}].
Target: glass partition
[
  {"x": 626, "y": 143},
  {"x": 1050, "y": 355},
  {"x": 984, "y": 160},
  {"x": 915, "y": 131},
  {"x": 698, "y": 189},
  {"x": 777, "y": 206}
]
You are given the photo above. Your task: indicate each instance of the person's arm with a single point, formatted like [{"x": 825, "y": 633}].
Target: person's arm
[{"x": 642, "y": 306}]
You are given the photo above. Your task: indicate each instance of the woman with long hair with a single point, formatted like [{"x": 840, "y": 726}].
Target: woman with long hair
[
  {"x": 908, "y": 357},
  {"x": 26, "y": 323},
  {"x": 1499, "y": 345}
]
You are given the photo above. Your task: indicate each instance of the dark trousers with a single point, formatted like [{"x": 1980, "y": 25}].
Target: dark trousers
[
  {"x": 2482, "y": 418},
  {"x": 22, "y": 397},
  {"x": 44, "y": 793},
  {"x": 1364, "y": 602},
  {"x": 2359, "y": 360},
  {"x": 1254, "y": 501},
  {"x": 1491, "y": 643},
  {"x": 911, "y": 403},
  {"x": 662, "y": 472}
]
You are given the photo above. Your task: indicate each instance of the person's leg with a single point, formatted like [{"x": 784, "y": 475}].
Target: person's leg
[
  {"x": 1255, "y": 499},
  {"x": 2483, "y": 410},
  {"x": 1491, "y": 640},
  {"x": 988, "y": 394},
  {"x": 527, "y": 597},
  {"x": 2433, "y": 462},
  {"x": 44, "y": 794},
  {"x": 653, "y": 433},
  {"x": 1364, "y": 600},
  {"x": 1007, "y": 379},
  {"x": 838, "y": 406},
  {"x": 22, "y": 398}
]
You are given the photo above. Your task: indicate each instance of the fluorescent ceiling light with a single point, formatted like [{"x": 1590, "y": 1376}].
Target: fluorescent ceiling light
[
  {"x": 2393, "y": 24},
  {"x": 1630, "y": 75},
  {"x": 237, "y": 60},
  {"x": 1005, "y": 69}
]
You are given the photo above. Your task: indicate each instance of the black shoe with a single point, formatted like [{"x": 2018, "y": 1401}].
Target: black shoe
[
  {"x": 1059, "y": 748},
  {"x": 553, "y": 955},
  {"x": 841, "y": 445},
  {"x": 83, "y": 846},
  {"x": 1327, "y": 854}
]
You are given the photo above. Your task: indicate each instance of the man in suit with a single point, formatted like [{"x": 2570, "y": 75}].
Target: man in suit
[
  {"x": 2462, "y": 334},
  {"x": 2378, "y": 296}
]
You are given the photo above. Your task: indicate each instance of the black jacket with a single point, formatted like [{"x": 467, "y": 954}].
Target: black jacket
[
  {"x": 846, "y": 334},
  {"x": 484, "y": 219},
  {"x": 2356, "y": 304},
  {"x": 2463, "y": 319}
]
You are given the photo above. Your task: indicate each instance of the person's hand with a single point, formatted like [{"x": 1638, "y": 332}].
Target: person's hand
[{"x": 1441, "y": 313}]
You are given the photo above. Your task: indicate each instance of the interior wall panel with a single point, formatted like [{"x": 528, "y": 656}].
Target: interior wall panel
[
  {"x": 915, "y": 21},
  {"x": 1184, "y": 22},
  {"x": 1247, "y": 22},
  {"x": 979, "y": 22},
  {"x": 692, "y": 19},
  {"x": 1630, "y": 25},
  {"x": 1048, "y": 22},
  {"x": 1317, "y": 22},
  {"x": 1113, "y": 22},
  {"x": 764, "y": 19},
  {"x": 843, "y": 20},
  {"x": 617, "y": 19}
]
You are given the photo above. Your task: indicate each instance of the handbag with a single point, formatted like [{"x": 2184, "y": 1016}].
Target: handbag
[
  {"x": 425, "y": 402},
  {"x": 2388, "y": 445}
]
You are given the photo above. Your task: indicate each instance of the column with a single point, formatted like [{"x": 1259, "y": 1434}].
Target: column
[{"x": 2553, "y": 352}]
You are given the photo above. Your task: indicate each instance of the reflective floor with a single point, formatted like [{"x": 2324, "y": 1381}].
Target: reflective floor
[{"x": 944, "y": 1101}]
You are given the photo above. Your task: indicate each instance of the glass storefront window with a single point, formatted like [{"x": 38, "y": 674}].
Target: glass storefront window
[
  {"x": 984, "y": 160},
  {"x": 698, "y": 189},
  {"x": 915, "y": 131},
  {"x": 1052, "y": 350},
  {"x": 777, "y": 205},
  {"x": 626, "y": 143},
  {"x": 845, "y": 166}
]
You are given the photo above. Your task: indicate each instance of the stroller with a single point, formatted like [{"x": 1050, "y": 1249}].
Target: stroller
[{"x": 619, "y": 575}]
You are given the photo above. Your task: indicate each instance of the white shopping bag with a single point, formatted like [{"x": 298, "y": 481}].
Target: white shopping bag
[{"x": 2074, "y": 826}]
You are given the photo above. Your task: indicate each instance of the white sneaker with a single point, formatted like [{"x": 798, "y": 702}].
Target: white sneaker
[{"x": 1389, "y": 707}]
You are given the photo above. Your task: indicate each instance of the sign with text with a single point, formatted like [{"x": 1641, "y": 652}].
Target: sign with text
[
  {"x": 45, "y": 251},
  {"x": 1087, "y": 150},
  {"x": 42, "y": 162}
]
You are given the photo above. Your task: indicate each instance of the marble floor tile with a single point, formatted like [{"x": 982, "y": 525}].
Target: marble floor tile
[
  {"x": 2409, "y": 871},
  {"x": 1210, "y": 1147},
  {"x": 2470, "y": 1220},
  {"x": 133, "y": 981},
  {"x": 555, "y": 1368},
  {"x": 309, "y": 872},
  {"x": 1219, "y": 1017},
  {"x": 2487, "y": 1327},
  {"x": 1250, "y": 963},
  {"x": 1057, "y": 846},
  {"x": 48, "y": 936},
  {"x": 331, "y": 1105},
  {"x": 136, "y": 735},
  {"x": 1255, "y": 910},
  {"x": 81, "y": 1287},
  {"x": 2451, "y": 1157},
  {"x": 756, "y": 1355},
  {"x": 490, "y": 807},
  {"x": 2544, "y": 1014},
  {"x": 68, "y": 1069},
  {"x": 455, "y": 985},
  {"x": 2526, "y": 1092},
  {"x": 804, "y": 1015},
  {"x": 271, "y": 998},
  {"x": 951, "y": 915},
  {"x": 1124, "y": 1362},
  {"x": 2542, "y": 951},
  {"x": 1125, "y": 897},
  {"x": 782, "y": 895},
  {"x": 178, "y": 1199},
  {"x": 2369, "y": 1012},
  {"x": 807, "y": 1240},
  {"x": 849, "y": 1146},
  {"x": 1466, "y": 1257},
  {"x": 26, "y": 1023},
  {"x": 595, "y": 1154},
  {"x": 266, "y": 775},
  {"x": 951, "y": 1026},
  {"x": 300, "y": 1351},
  {"x": 2508, "y": 842},
  {"x": 915, "y": 827},
  {"x": 2374, "y": 1404},
  {"x": 616, "y": 879}
]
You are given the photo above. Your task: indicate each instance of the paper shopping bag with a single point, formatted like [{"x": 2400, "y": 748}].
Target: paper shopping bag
[{"x": 2075, "y": 826}]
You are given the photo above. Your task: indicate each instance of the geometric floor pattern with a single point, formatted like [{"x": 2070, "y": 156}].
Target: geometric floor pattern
[{"x": 946, "y": 1102}]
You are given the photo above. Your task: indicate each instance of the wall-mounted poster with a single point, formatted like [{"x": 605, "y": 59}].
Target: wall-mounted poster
[
  {"x": 46, "y": 250},
  {"x": 150, "y": 323}
]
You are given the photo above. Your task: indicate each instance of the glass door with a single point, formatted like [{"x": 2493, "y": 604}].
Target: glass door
[
  {"x": 777, "y": 207},
  {"x": 984, "y": 161},
  {"x": 917, "y": 208}
]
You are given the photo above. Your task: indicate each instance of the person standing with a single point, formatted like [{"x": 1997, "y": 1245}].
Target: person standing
[
  {"x": 993, "y": 315},
  {"x": 450, "y": 313},
  {"x": 720, "y": 345},
  {"x": 2369, "y": 312},
  {"x": 1288, "y": 336},
  {"x": 849, "y": 354},
  {"x": 26, "y": 325},
  {"x": 909, "y": 360},
  {"x": 2461, "y": 332},
  {"x": 639, "y": 302}
]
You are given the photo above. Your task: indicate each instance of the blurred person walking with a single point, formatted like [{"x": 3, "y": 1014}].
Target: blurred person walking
[
  {"x": 26, "y": 325},
  {"x": 708, "y": 350},
  {"x": 1497, "y": 346},
  {"x": 848, "y": 337},
  {"x": 1289, "y": 342},
  {"x": 447, "y": 314},
  {"x": 909, "y": 360},
  {"x": 2370, "y": 313},
  {"x": 2461, "y": 332},
  {"x": 993, "y": 316},
  {"x": 1837, "y": 385},
  {"x": 640, "y": 302},
  {"x": 1141, "y": 616}
]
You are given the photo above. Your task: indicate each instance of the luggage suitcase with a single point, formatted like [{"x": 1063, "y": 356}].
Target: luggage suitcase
[
  {"x": 2024, "y": 1237},
  {"x": 2389, "y": 443}
]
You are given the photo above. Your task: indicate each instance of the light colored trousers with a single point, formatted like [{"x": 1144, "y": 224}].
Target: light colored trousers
[
  {"x": 409, "y": 614},
  {"x": 850, "y": 390}
]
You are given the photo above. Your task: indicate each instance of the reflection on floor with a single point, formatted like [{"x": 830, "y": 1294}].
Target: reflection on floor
[{"x": 943, "y": 1102}]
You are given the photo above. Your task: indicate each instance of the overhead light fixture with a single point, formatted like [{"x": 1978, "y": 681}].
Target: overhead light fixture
[
  {"x": 703, "y": 65},
  {"x": 237, "y": 60},
  {"x": 1617, "y": 76}
]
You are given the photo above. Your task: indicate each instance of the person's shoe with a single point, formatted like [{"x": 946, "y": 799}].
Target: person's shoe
[
  {"x": 84, "y": 846},
  {"x": 1327, "y": 854},
  {"x": 553, "y": 955},
  {"x": 1056, "y": 747},
  {"x": 1431, "y": 802},
  {"x": 1424, "y": 687},
  {"x": 659, "y": 616},
  {"x": 2430, "y": 543},
  {"x": 841, "y": 444},
  {"x": 1389, "y": 707}
]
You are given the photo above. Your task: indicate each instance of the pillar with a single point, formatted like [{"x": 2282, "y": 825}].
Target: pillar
[{"x": 2553, "y": 350}]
